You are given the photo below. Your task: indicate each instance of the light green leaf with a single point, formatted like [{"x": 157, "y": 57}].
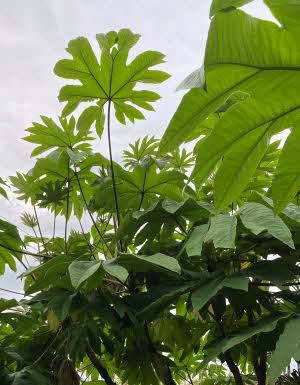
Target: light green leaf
[
  {"x": 239, "y": 165},
  {"x": 222, "y": 231},
  {"x": 257, "y": 218},
  {"x": 80, "y": 271},
  {"x": 49, "y": 136},
  {"x": 112, "y": 79},
  {"x": 286, "y": 12},
  {"x": 287, "y": 347},
  {"x": 194, "y": 244}
]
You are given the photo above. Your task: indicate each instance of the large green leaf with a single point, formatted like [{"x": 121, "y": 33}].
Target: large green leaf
[
  {"x": 287, "y": 347},
  {"x": 266, "y": 324},
  {"x": 112, "y": 79},
  {"x": 287, "y": 179},
  {"x": 221, "y": 5},
  {"x": 257, "y": 218},
  {"x": 286, "y": 12},
  {"x": 268, "y": 71}
]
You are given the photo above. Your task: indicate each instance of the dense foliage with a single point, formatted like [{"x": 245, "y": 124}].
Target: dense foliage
[{"x": 189, "y": 271}]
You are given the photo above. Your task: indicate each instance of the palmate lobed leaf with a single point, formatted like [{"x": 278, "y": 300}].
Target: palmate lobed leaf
[
  {"x": 49, "y": 136},
  {"x": 268, "y": 72},
  {"x": 112, "y": 79}
]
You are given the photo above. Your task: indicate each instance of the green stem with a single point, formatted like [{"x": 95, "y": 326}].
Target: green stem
[
  {"x": 91, "y": 216},
  {"x": 111, "y": 164},
  {"x": 67, "y": 209}
]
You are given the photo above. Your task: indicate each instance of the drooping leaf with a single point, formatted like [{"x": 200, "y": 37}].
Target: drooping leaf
[
  {"x": 80, "y": 271},
  {"x": 157, "y": 262},
  {"x": 206, "y": 292},
  {"x": 194, "y": 244},
  {"x": 222, "y": 231},
  {"x": 257, "y": 218},
  {"x": 287, "y": 347},
  {"x": 266, "y": 324}
]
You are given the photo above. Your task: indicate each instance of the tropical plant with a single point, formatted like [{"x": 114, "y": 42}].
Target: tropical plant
[{"x": 188, "y": 272}]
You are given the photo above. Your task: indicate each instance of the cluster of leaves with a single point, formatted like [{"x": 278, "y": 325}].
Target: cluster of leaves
[{"x": 189, "y": 269}]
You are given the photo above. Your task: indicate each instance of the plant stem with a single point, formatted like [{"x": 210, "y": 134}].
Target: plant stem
[
  {"x": 54, "y": 222},
  {"x": 40, "y": 231},
  {"x": 111, "y": 165},
  {"x": 143, "y": 192},
  {"x": 91, "y": 216},
  {"x": 15, "y": 292},
  {"x": 85, "y": 237},
  {"x": 67, "y": 209}
]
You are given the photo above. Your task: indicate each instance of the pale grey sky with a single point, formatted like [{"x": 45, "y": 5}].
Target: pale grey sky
[{"x": 33, "y": 36}]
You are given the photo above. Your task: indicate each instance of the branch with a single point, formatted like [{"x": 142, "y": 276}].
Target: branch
[
  {"x": 85, "y": 237},
  {"x": 67, "y": 209},
  {"x": 40, "y": 231},
  {"x": 16, "y": 292},
  {"x": 99, "y": 366},
  {"x": 24, "y": 252}
]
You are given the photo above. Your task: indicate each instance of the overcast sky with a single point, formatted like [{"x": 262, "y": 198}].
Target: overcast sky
[{"x": 33, "y": 36}]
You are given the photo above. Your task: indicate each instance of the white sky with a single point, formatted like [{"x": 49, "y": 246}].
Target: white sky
[{"x": 33, "y": 36}]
